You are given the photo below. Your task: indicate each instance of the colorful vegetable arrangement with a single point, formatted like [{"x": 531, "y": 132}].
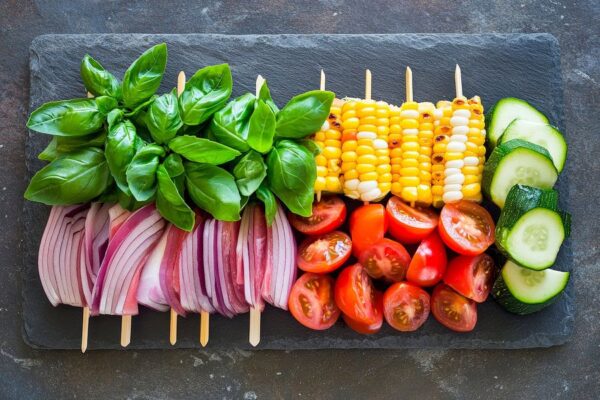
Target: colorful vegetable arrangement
[{"x": 177, "y": 202}]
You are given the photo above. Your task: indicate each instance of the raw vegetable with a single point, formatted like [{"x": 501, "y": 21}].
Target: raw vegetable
[
  {"x": 122, "y": 144},
  {"x": 97, "y": 80},
  {"x": 202, "y": 150},
  {"x": 386, "y": 259},
  {"x": 406, "y": 306},
  {"x": 325, "y": 253},
  {"x": 466, "y": 227},
  {"x": 141, "y": 172},
  {"x": 531, "y": 229},
  {"x": 311, "y": 301},
  {"x": 328, "y": 214},
  {"x": 368, "y": 225},
  {"x": 471, "y": 276},
  {"x": 452, "y": 310},
  {"x": 523, "y": 291},
  {"x": 249, "y": 172},
  {"x": 77, "y": 117},
  {"x": 507, "y": 110},
  {"x": 304, "y": 114},
  {"x": 355, "y": 295},
  {"x": 162, "y": 118},
  {"x": 514, "y": 162},
  {"x": 409, "y": 224},
  {"x": 428, "y": 264},
  {"x": 372, "y": 328},
  {"x": 143, "y": 77},
  {"x": 95, "y": 241},
  {"x": 542, "y": 134}
]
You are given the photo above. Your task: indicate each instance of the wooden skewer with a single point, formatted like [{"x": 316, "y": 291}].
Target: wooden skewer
[
  {"x": 409, "y": 96},
  {"x": 173, "y": 313},
  {"x": 125, "y": 330},
  {"x": 254, "y": 333},
  {"x": 85, "y": 321},
  {"x": 321, "y": 87},
  {"x": 204, "y": 325},
  {"x": 367, "y": 97},
  {"x": 458, "y": 82}
]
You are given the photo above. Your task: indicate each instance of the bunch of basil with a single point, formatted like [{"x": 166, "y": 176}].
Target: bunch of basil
[{"x": 128, "y": 144}]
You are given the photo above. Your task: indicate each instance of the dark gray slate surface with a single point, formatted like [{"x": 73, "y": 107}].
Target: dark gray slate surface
[{"x": 494, "y": 66}]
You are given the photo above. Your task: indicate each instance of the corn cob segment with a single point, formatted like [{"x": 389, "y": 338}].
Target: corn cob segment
[
  {"x": 455, "y": 151},
  {"x": 329, "y": 140},
  {"x": 441, "y": 138},
  {"x": 365, "y": 155},
  {"x": 475, "y": 152}
]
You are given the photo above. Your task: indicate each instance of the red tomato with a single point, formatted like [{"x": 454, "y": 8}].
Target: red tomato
[
  {"x": 466, "y": 227},
  {"x": 386, "y": 259},
  {"x": 409, "y": 224},
  {"x": 324, "y": 253},
  {"x": 355, "y": 295},
  {"x": 428, "y": 265},
  {"x": 452, "y": 310},
  {"x": 327, "y": 215},
  {"x": 368, "y": 329},
  {"x": 405, "y": 306},
  {"x": 471, "y": 276},
  {"x": 367, "y": 226},
  {"x": 311, "y": 301}
]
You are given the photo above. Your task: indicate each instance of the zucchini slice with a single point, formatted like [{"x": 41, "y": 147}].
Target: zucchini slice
[
  {"x": 531, "y": 230},
  {"x": 523, "y": 291},
  {"x": 514, "y": 162},
  {"x": 544, "y": 135},
  {"x": 507, "y": 110}
]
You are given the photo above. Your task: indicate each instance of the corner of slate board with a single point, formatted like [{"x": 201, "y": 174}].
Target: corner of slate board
[{"x": 493, "y": 65}]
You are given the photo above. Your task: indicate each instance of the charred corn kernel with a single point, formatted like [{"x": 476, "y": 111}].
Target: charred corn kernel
[
  {"x": 441, "y": 135},
  {"x": 329, "y": 160},
  {"x": 365, "y": 155},
  {"x": 455, "y": 150},
  {"x": 475, "y": 151}
]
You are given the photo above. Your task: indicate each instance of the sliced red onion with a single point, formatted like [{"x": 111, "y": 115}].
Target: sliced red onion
[
  {"x": 150, "y": 293},
  {"x": 252, "y": 253},
  {"x": 94, "y": 246},
  {"x": 115, "y": 292},
  {"x": 117, "y": 215},
  {"x": 235, "y": 291},
  {"x": 59, "y": 258},
  {"x": 169, "y": 268}
]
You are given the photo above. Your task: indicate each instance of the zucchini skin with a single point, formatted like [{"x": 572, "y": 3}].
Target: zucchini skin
[
  {"x": 493, "y": 137},
  {"x": 501, "y": 293}
]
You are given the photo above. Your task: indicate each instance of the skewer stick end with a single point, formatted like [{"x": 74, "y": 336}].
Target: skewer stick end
[
  {"x": 259, "y": 82},
  {"x": 318, "y": 196},
  {"x": 173, "y": 328},
  {"x": 254, "y": 336},
  {"x": 458, "y": 81},
  {"x": 204, "y": 328},
  {"x": 322, "y": 85},
  {"x": 180, "y": 83},
  {"x": 125, "y": 330},
  {"x": 85, "y": 329},
  {"x": 409, "y": 85},
  {"x": 368, "y": 84}
]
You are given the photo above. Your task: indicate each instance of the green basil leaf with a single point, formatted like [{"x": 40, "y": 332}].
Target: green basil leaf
[
  {"x": 61, "y": 145},
  {"x": 110, "y": 195},
  {"x": 291, "y": 176},
  {"x": 202, "y": 150},
  {"x": 141, "y": 173},
  {"x": 97, "y": 80},
  {"x": 115, "y": 116},
  {"x": 170, "y": 202},
  {"x": 230, "y": 125},
  {"x": 128, "y": 202},
  {"x": 214, "y": 190},
  {"x": 310, "y": 146},
  {"x": 50, "y": 153},
  {"x": 106, "y": 104},
  {"x": 174, "y": 165},
  {"x": 265, "y": 95},
  {"x": 304, "y": 114},
  {"x": 143, "y": 77},
  {"x": 205, "y": 93},
  {"x": 76, "y": 117},
  {"x": 140, "y": 110},
  {"x": 249, "y": 172},
  {"x": 122, "y": 144},
  {"x": 162, "y": 118},
  {"x": 261, "y": 128},
  {"x": 75, "y": 178},
  {"x": 268, "y": 198}
]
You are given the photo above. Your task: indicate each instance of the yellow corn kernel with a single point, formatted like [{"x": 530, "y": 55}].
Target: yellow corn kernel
[
  {"x": 332, "y": 184},
  {"x": 351, "y": 174},
  {"x": 320, "y": 184},
  {"x": 410, "y": 162},
  {"x": 367, "y": 159},
  {"x": 362, "y": 150},
  {"x": 348, "y": 166},
  {"x": 332, "y": 152},
  {"x": 409, "y": 181},
  {"x": 363, "y": 168}
]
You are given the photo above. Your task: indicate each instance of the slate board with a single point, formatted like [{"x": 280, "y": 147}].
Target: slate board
[{"x": 494, "y": 66}]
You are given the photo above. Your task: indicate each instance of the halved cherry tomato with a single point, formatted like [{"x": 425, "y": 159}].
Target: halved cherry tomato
[
  {"x": 355, "y": 295},
  {"x": 467, "y": 228},
  {"x": 409, "y": 224},
  {"x": 471, "y": 276},
  {"x": 428, "y": 264},
  {"x": 368, "y": 329},
  {"x": 322, "y": 254},
  {"x": 311, "y": 301},
  {"x": 452, "y": 310},
  {"x": 327, "y": 215},
  {"x": 386, "y": 259},
  {"x": 367, "y": 226},
  {"x": 405, "y": 306}
]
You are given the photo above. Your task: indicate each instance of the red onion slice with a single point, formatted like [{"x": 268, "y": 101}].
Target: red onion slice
[
  {"x": 95, "y": 243},
  {"x": 117, "y": 215}
]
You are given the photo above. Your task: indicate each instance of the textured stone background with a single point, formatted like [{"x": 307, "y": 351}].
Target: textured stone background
[{"x": 570, "y": 371}]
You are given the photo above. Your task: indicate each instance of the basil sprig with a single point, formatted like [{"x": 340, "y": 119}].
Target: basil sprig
[{"x": 143, "y": 77}]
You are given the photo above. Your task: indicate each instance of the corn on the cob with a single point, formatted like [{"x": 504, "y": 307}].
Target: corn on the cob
[
  {"x": 395, "y": 147},
  {"x": 365, "y": 155},
  {"x": 475, "y": 152},
  {"x": 409, "y": 171},
  {"x": 455, "y": 151},
  {"x": 442, "y": 131},
  {"x": 329, "y": 140}
]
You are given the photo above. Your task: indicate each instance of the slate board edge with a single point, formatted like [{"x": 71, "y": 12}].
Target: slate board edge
[{"x": 546, "y": 340}]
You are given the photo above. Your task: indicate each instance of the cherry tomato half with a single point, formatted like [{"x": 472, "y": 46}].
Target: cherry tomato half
[
  {"x": 355, "y": 295},
  {"x": 466, "y": 227},
  {"x": 409, "y": 224},
  {"x": 367, "y": 226},
  {"x": 386, "y": 259},
  {"x": 452, "y": 310},
  {"x": 471, "y": 276},
  {"x": 311, "y": 301},
  {"x": 324, "y": 253},
  {"x": 405, "y": 306},
  {"x": 428, "y": 264},
  {"x": 327, "y": 215},
  {"x": 368, "y": 329}
]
